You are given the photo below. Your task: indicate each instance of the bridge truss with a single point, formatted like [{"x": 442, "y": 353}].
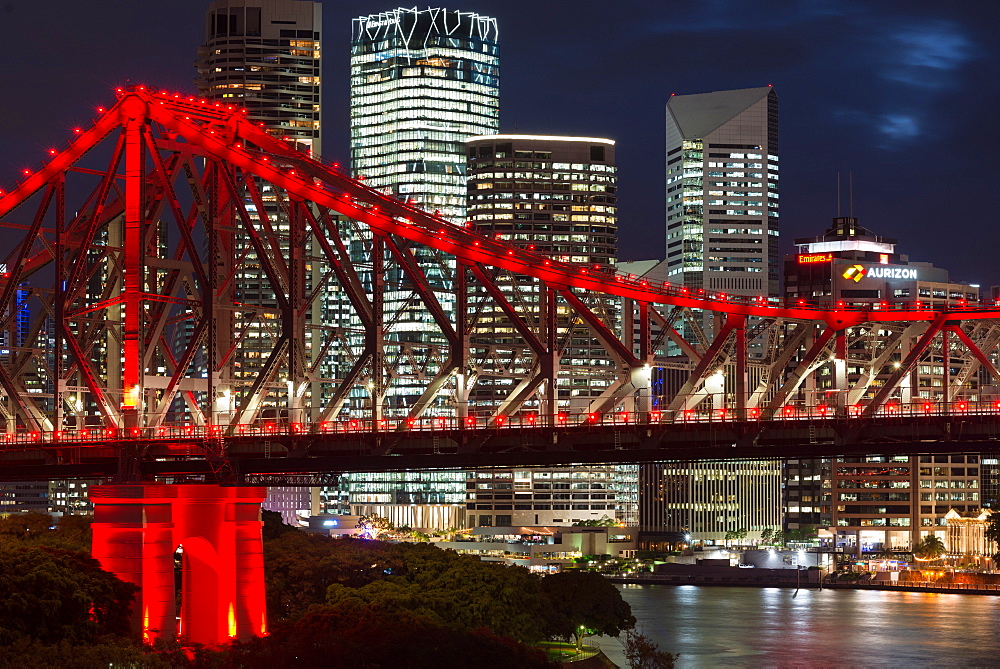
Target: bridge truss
[{"x": 177, "y": 268}]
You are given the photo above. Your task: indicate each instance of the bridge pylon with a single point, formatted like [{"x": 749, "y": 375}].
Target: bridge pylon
[{"x": 214, "y": 530}]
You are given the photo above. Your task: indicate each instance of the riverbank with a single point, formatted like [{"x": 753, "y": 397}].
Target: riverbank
[{"x": 770, "y": 580}]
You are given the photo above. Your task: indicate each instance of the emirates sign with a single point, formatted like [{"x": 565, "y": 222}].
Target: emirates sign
[{"x": 806, "y": 258}]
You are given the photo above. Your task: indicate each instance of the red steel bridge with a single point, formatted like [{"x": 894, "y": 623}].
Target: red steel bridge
[{"x": 188, "y": 294}]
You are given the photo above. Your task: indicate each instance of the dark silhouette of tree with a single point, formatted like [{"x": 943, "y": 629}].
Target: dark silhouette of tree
[
  {"x": 644, "y": 653},
  {"x": 52, "y": 595},
  {"x": 353, "y": 633},
  {"x": 457, "y": 591},
  {"x": 585, "y": 604},
  {"x": 929, "y": 548}
]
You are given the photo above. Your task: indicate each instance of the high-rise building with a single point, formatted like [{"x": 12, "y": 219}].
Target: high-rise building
[
  {"x": 264, "y": 55},
  {"x": 422, "y": 82},
  {"x": 722, "y": 191},
  {"x": 557, "y": 195}
]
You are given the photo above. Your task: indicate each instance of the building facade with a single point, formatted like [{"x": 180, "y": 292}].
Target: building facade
[
  {"x": 877, "y": 503},
  {"x": 722, "y": 191},
  {"x": 557, "y": 196},
  {"x": 265, "y": 56},
  {"x": 422, "y": 82}
]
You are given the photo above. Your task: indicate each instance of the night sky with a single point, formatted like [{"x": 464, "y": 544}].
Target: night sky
[{"x": 904, "y": 94}]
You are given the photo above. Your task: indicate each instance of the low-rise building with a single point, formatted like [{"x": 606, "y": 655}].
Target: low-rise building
[{"x": 546, "y": 549}]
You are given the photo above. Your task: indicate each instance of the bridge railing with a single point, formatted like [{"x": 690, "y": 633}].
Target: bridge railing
[{"x": 522, "y": 421}]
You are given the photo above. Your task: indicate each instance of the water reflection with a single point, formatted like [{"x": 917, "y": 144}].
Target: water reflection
[{"x": 773, "y": 627}]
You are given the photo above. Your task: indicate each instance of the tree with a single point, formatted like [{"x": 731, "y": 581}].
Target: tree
[
  {"x": 374, "y": 527},
  {"x": 603, "y": 521},
  {"x": 21, "y": 526},
  {"x": 458, "y": 591},
  {"x": 929, "y": 548},
  {"x": 299, "y": 567},
  {"x": 993, "y": 533},
  {"x": 644, "y": 653},
  {"x": 52, "y": 595},
  {"x": 766, "y": 535},
  {"x": 585, "y": 603}
]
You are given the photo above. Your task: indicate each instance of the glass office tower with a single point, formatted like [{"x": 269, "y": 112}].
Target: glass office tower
[{"x": 422, "y": 82}]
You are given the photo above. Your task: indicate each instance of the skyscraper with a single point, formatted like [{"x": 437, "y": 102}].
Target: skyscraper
[
  {"x": 722, "y": 191},
  {"x": 557, "y": 195},
  {"x": 264, "y": 55},
  {"x": 422, "y": 82}
]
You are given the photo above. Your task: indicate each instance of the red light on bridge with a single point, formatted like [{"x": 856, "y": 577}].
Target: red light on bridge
[
  {"x": 410, "y": 422},
  {"x": 687, "y": 414},
  {"x": 562, "y": 417},
  {"x": 354, "y": 424},
  {"x": 927, "y": 408},
  {"x": 822, "y": 409},
  {"x": 531, "y": 418},
  {"x": 624, "y": 416},
  {"x": 789, "y": 410},
  {"x": 755, "y": 413},
  {"x": 500, "y": 420},
  {"x": 470, "y": 421},
  {"x": 592, "y": 417},
  {"x": 654, "y": 415},
  {"x": 962, "y": 406},
  {"x": 52, "y": 152}
]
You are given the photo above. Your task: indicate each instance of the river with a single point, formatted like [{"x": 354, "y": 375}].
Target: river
[{"x": 773, "y": 627}]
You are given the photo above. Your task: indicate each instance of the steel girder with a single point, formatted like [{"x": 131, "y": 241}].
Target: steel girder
[{"x": 211, "y": 275}]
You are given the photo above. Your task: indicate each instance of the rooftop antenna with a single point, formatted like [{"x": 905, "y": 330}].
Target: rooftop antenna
[
  {"x": 851, "y": 191},
  {"x": 838, "y": 194}
]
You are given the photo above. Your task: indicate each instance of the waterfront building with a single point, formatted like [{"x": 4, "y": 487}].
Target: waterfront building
[
  {"x": 702, "y": 501},
  {"x": 545, "y": 549},
  {"x": 265, "y": 56},
  {"x": 874, "y": 503},
  {"x": 722, "y": 191},
  {"x": 966, "y": 536}
]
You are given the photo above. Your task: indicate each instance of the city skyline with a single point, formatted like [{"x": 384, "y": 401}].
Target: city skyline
[{"x": 889, "y": 86}]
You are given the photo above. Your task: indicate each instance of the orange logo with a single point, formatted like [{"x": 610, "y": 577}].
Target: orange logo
[{"x": 855, "y": 273}]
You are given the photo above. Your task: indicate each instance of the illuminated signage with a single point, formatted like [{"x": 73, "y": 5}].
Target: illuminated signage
[
  {"x": 381, "y": 22},
  {"x": 805, "y": 258},
  {"x": 857, "y": 272},
  {"x": 892, "y": 273}
]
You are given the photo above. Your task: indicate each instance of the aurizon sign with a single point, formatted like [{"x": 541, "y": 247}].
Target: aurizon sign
[{"x": 857, "y": 272}]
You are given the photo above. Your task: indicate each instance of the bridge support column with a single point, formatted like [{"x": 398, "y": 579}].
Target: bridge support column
[{"x": 138, "y": 529}]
